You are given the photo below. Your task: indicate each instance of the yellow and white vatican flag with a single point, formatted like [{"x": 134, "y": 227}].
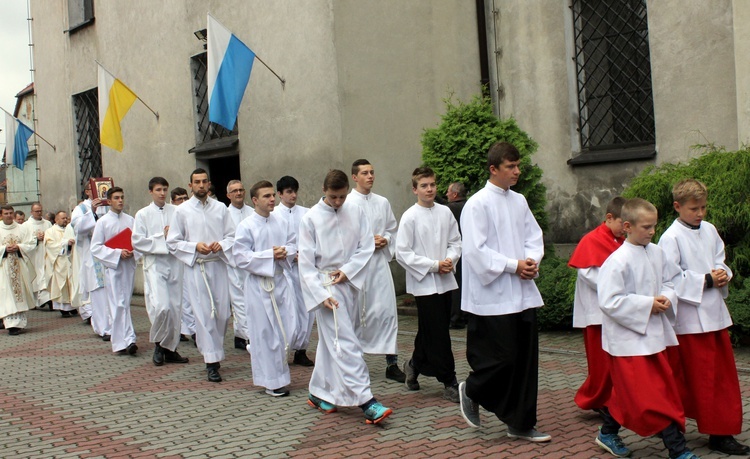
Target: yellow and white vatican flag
[{"x": 115, "y": 99}]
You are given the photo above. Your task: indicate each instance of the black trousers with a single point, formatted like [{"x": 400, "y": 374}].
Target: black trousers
[
  {"x": 503, "y": 352},
  {"x": 432, "y": 347},
  {"x": 457, "y": 315}
]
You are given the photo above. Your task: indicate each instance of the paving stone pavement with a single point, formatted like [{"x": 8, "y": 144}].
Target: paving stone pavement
[{"x": 64, "y": 394}]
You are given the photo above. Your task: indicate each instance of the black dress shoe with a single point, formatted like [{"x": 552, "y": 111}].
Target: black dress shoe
[
  {"x": 86, "y": 321},
  {"x": 240, "y": 343},
  {"x": 457, "y": 326},
  {"x": 301, "y": 358},
  {"x": 158, "y": 355},
  {"x": 132, "y": 348},
  {"x": 73, "y": 312},
  {"x": 213, "y": 372},
  {"x": 65, "y": 313},
  {"x": 106, "y": 338},
  {"x": 173, "y": 357},
  {"x": 394, "y": 373},
  {"x": 195, "y": 341},
  {"x": 728, "y": 445},
  {"x": 14, "y": 331},
  {"x": 184, "y": 338}
]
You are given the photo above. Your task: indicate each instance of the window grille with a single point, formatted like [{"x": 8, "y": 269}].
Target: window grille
[
  {"x": 613, "y": 72},
  {"x": 86, "y": 109},
  {"x": 205, "y": 130}
]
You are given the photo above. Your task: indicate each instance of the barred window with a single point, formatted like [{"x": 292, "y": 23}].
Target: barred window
[
  {"x": 613, "y": 74},
  {"x": 86, "y": 106},
  {"x": 208, "y": 136}
]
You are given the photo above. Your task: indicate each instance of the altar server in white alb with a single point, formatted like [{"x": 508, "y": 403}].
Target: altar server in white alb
[
  {"x": 502, "y": 247},
  {"x": 179, "y": 195},
  {"x": 16, "y": 272},
  {"x": 264, "y": 248},
  {"x": 120, "y": 270},
  {"x": 378, "y": 322},
  {"x": 238, "y": 211},
  {"x": 201, "y": 236},
  {"x": 38, "y": 225},
  {"x": 62, "y": 286},
  {"x": 162, "y": 273},
  {"x": 335, "y": 244},
  {"x": 428, "y": 246},
  {"x": 287, "y": 188},
  {"x": 91, "y": 272},
  {"x": 703, "y": 363}
]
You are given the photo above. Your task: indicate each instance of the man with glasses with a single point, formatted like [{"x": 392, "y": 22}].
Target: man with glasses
[
  {"x": 187, "y": 324},
  {"x": 238, "y": 211},
  {"x": 37, "y": 225}
]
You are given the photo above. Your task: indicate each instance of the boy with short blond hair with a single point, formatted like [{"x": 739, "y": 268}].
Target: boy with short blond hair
[
  {"x": 703, "y": 363},
  {"x": 637, "y": 298},
  {"x": 590, "y": 253},
  {"x": 428, "y": 246}
]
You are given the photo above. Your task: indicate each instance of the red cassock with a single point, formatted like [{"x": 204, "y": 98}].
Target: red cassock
[
  {"x": 706, "y": 377},
  {"x": 595, "y": 391},
  {"x": 645, "y": 398}
]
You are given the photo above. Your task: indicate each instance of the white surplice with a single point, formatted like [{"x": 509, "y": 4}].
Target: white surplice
[
  {"x": 498, "y": 229},
  {"x": 205, "y": 275},
  {"x": 691, "y": 254},
  {"x": 120, "y": 274},
  {"x": 271, "y": 320},
  {"x": 17, "y": 274},
  {"x": 91, "y": 273},
  {"x": 162, "y": 274},
  {"x": 41, "y": 294},
  {"x": 331, "y": 240},
  {"x": 305, "y": 318},
  {"x": 61, "y": 278},
  {"x": 427, "y": 236},
  {"x": 237, "y": 278},
  {"x": 378, "y": 325},
  {"x": 628, "y": 282}
]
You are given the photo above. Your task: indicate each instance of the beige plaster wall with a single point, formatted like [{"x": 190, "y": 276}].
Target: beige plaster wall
[{"x": 741, "y": 23}]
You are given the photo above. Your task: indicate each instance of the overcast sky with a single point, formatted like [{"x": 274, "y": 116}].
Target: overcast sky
[{"x": 14, "y": 55}]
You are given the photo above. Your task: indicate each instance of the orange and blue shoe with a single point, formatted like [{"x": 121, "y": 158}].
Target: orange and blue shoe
[
  {"x": 321, "y": 404},
  {"x": 376, "y": 412}
]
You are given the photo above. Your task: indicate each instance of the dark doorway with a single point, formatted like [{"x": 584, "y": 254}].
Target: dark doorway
[{"x": 221, "y": 171}]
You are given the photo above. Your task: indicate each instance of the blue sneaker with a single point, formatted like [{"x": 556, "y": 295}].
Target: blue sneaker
[
  {"x": 376, "y": 413},
  {"x": 687, "y": 455},
  {"x": 613, "y": 444},
  {"x": 321, "y": 404}
]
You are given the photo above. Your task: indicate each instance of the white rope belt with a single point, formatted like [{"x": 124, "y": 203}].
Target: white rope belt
[
  {"x": 201, "y": 262},
  {"x": 268, "y": 284},
  {"x": 362, "y": 314},
  {"x": 327, "y": 284}
]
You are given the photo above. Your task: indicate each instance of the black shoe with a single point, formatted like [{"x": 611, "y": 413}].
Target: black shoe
[
  {"x": 73, "y": 312},
  {"x": 301, "y": 358},
  {"x": 65, "y": 313},
  {"x": 394, "y": 373},
  {"x": 106, "y": 338},
  {"x": 14, "y": 331},
  {"x": 48, "y": 304},
  {"x": 86, "y": 321},
  {"x": 213, "y": 372},
  {"x": 457, "y": 325},
  {"x": 173, "y": 357},
  {"x": 132, "y": 348},
  {"x": 2, "y": 324},
  {"x": 158, "y": 355},
  {"x": 195, "y": 341},
  {"x": 728, "y": 445},
  {"x": 240, "y": 343},
  {"x": 411, "y": 376},
  {"x": 184, "y": 338}
]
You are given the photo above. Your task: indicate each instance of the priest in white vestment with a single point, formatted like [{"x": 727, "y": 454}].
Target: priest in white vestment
[
  {"x": 38, "y": 225},
  {"x": 378, "y": 323},
  {"x": 91, "y": 272},
  {"x": 16, "y": 272},
  {"x": 120, "y": 271},
  {"x": 59, "y": 241},
  {"x": 162, "y": 274},
  {"x": 201, "y": 236},
  {"x": 264, "y": 248},
  {"x": 287, "y": 188},
  {"x": 238, "y": 211}
]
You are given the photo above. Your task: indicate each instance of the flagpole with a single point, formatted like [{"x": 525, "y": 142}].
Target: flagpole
[
  {"x": 34, "y": 131},
  {"x": 282, "y": 80},
  {"x": 156, "y": 114}
]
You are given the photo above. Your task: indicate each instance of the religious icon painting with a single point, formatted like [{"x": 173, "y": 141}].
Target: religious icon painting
[{"x": 99, "y": 188}]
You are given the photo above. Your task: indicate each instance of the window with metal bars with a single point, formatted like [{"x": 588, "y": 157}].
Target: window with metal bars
[
  {"x": 613, "y": 75},
  {"x": 86, "y": 109},
  {"x": 206, "y": 132}
]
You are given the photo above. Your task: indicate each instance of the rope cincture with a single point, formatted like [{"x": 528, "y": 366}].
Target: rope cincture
[
  {"x": 202, "y": 262},
  {"x": 268, "y": 284},
  {"x": 327, "y": 284}
]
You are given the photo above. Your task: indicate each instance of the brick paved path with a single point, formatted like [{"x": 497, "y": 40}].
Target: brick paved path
[{"x": 64, "y": 394}]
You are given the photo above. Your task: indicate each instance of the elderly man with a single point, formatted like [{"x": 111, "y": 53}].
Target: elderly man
[
  {"x": 38, "y": 225},
  {"x": 59, "y": 241},
  {"x": 456, "y": 196},
  {"x": 16, "y": 272},
  {"x": 239, "y": 211}
]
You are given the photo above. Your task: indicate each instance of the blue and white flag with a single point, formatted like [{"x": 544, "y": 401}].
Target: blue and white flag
[
  {"x": 229, "y": 64},
  {"x": 17, "y": 137}
]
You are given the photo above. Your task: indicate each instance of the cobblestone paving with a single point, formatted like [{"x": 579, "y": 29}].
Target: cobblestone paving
[{"x": 64, "y": 394}]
